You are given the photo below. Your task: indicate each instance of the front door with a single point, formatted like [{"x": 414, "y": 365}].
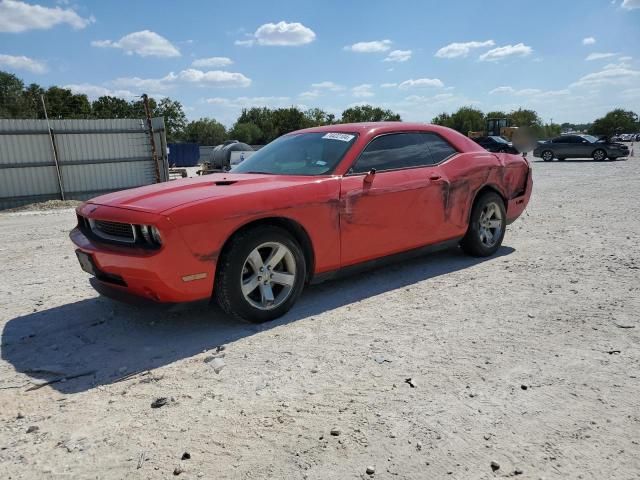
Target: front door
[{"x": 399, "y": 207}]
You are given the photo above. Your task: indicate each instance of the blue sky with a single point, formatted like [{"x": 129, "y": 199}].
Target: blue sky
[{"x": 569, "y": 60}]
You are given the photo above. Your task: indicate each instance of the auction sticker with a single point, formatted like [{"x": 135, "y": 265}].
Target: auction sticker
[{"x": 343, "y": 137}]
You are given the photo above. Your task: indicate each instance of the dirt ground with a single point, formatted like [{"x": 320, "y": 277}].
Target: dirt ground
[{"x": 429, "y": 369}]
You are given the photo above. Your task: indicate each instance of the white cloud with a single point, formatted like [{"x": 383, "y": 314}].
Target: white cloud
[
  {"x": 310, "y": 94},
  {"x": 388, "y": 85},
  {"x": 22, "y": 63},
  {"x": 245, "y": 102},
  {"x": 457, "y": 49},
  {"x": 211, "y": 78},
  {"x": 245, "y": 43},
  {"x": 630, "y": 4},
  {"x": 16, "y": 17},
  {"x": 370, "y": 47},
  {"x": 502, "y": 90},
  {"x": 214, "y": 78},
  {"x": 144, "y": 43},
  {"x": 495, "y": 54},
  {"x": 619, "y": 75},
  {"x": 421, "y": 82},
  {"x": 212, "y": 62},
  {"x": 281, "y": 34},
  {"x": 398, "y": 56},
  {"x": 95, "y": 91},
  {"x": 334, "y": 87},
  {"x": 535, "y": 93},
  {"x": 625, "y": 59},
  {"x": 588, "y": 41},
  {"x": 363, "y": 91},
  {"x": 599, "y": 56}
]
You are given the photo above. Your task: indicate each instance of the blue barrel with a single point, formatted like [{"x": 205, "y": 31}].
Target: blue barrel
[{"x": 183, "y": 154}]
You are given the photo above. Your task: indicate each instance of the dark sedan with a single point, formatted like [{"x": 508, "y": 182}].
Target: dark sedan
[
  {"x": 580, "y": 146},
  {"x": 496, "y": 144}
]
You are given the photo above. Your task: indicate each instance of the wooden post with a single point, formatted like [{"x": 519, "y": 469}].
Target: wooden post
[
  {"x": 53, "y": 148},
  {"x": 152, "y": 139}
]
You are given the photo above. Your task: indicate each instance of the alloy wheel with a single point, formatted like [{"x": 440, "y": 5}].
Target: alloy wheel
[
  {"x": 490, "y": 225},
  {"x": 268, "y": 275}
]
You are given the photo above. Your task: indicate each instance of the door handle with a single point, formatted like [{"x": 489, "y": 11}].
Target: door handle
[{"x": 435, "y": 177}]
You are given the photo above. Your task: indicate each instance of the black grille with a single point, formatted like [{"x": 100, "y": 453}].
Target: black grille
[{"x": 115, "y": 229}]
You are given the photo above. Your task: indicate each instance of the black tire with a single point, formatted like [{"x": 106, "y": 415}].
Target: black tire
[
  {"x": 547, "y": 156},
  {"x": 472, "y": 243},
  {"x": 227, "y": 289},
  {"x": 599, "y": 155}
]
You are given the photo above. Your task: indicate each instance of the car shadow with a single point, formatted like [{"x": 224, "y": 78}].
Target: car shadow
[
  {"x": 580, "y": 160},
  {"x": 97, "y": 341}
]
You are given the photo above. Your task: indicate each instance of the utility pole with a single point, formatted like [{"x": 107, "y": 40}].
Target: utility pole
[
  {"x": 54, "y": 150},
  {"x": 152, "y": 139}
]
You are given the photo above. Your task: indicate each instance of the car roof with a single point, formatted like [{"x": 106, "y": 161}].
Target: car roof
[{"x": 371, "y": 129}]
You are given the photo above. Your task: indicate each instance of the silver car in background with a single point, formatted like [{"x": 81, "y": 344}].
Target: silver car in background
[{"x": 579, "y": 146}]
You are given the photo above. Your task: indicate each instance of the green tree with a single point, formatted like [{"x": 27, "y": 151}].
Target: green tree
[
  {"x": 443, "y": 119},
  {"x": 525, "y": 118},
  {"x": 467, "y": 119},
  {"x": 32, "y": 101},
  {"x": 11, "y": 100},
  {"x": 63, "y": 103},
  {"x": 174, "y": 118},
  {"x": 496, "y": 114},
  {"x": 287, "y": 120},
  {"x": 368, "y": 113},
  {"x": 262, "y": 118},
  {"x": 246, "y": 132},
  {"x": 616, "y": 121},
  {"x": 111, "y": 107},
  {"x": 137, "y": 108},
  {"x": 205, "y": 131},
  {"x": 316, "y": 117}
]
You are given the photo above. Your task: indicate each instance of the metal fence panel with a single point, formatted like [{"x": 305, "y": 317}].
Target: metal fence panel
[{"x": 95, "y": 157}]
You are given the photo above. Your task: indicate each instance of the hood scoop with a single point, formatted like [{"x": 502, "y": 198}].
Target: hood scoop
[{"x": 223, "y": 183}]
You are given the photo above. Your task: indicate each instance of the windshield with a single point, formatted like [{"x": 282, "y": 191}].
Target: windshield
[
  {"x": 299, "y": 154},
  {"x": 499, "y": 139},
  {"x": 590, "y": 138}
]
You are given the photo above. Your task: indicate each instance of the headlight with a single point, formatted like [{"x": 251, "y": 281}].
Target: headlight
[
  {"x": 151, "y": 235},
  {"x": 155, "y": 234}
]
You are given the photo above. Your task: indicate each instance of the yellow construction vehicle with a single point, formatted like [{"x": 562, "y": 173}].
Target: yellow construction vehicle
[{"x": 497, "y": 127}]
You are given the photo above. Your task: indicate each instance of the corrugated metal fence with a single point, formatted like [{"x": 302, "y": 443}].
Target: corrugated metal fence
[{"x": 94, "y": 157}]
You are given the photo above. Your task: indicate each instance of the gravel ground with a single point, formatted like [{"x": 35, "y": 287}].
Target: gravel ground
[{"x": 433, "y": 368}]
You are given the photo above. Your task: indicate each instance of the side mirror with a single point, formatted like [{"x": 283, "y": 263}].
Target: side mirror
[{"x": 369, "y": 176}]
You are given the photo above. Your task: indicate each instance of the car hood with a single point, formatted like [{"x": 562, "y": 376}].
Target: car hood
[{"x": 160, "y": 197}]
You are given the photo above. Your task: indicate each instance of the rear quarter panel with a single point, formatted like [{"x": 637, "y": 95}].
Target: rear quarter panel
[{"x": 468, "y": 173}]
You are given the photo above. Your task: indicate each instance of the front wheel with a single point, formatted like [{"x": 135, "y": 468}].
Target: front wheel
[
  {"x": 487, "y": 226},
  {"x": 547, "y": 155},
  {"x": 599, "y": 155},
  {"x": 261, "y": 275}
]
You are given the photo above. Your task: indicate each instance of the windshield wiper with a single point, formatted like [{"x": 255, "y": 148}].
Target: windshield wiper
[{"x": 258, "y": 172}]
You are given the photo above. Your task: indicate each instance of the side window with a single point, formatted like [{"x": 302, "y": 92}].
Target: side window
[
  {"x": 559, "y": 140},
  {"x": 402, "y": 150},
  {"x": 439, "y": 148}
]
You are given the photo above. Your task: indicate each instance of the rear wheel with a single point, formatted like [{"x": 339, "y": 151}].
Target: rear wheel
[
  {"x": 487, "y": 226},
  {"x": 547, "y": 155},
  {"x": 599, "y": 155},
  {"x": 261, "y": 275}
]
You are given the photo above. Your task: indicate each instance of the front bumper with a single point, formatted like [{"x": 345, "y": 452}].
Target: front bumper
[{"x": 157, "y": 275}]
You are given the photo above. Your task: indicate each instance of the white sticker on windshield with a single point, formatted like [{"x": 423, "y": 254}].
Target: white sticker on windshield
[{"x": 343, "y": 137}]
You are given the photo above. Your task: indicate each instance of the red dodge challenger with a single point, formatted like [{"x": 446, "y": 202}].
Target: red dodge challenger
[{"x": 310, "y": 205}]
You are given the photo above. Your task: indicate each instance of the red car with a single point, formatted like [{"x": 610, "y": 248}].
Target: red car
[{"x": 310, "y": 205}]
